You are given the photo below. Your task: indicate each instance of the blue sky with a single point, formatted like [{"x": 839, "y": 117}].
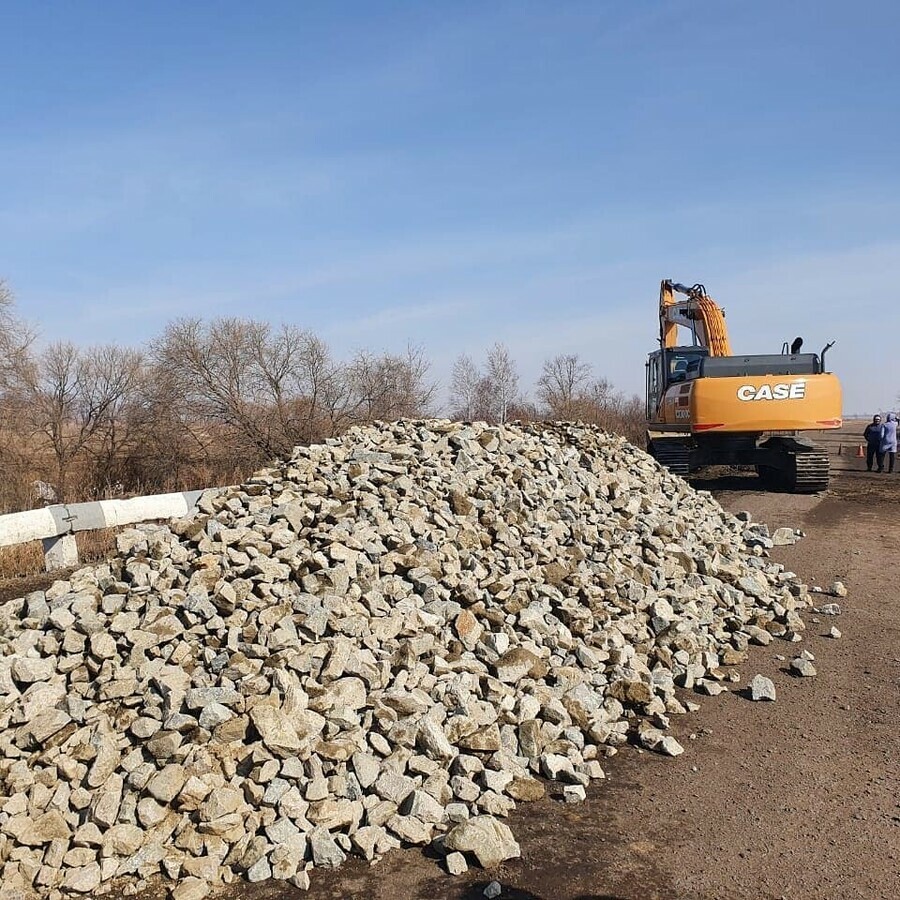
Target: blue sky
[{"x": 454, "y": 174}]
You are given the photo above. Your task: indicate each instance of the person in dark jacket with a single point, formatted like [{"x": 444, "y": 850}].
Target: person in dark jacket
[
  {"x": 873, "y": 434},
  {"x": 888, "y": 446}
]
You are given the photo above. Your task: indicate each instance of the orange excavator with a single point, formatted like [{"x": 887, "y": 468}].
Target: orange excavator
[{"x": 707, "y": 406}]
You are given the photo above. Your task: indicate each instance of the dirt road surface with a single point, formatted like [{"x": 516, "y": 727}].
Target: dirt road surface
[{"x": 795, "y": 799}]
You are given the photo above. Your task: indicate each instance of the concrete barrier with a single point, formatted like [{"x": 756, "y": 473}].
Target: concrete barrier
[{"x": 56, "y": 526}]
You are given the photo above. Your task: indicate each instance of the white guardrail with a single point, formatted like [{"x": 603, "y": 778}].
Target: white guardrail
[{"x": 56, "y": 526}]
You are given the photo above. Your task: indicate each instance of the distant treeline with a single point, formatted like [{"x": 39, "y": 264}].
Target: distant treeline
[{"x": 206, "y": 403}]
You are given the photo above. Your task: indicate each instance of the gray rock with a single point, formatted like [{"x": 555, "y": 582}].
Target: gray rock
[
  {"x": 107, "y": 801},
  {"x": 123, "y": 839},
  {"x": 410, "y": 829},
  {"x": 493, "y": 890},
  {"x": 456, "y": 864},
  {"x": 753, "y": 585},
  {"x": 325, "y": 852},
  {"x": 711, "y": 688},
  {"x": 367, "y": 839},
  {"x": 394, "y": 787},
  {"x": 802, "y": 667},
  {"x": 167, "y": 783},
  {"x": 556, "y": 767},
  {"x": 200, "y": 698},
  {"x": 82, "y": 880},
  {"x": 433, "y": 741},
  {"x": 190, "y": 889},
  {"x": 144, "y": 727},
  {"x": 654, "y": 739},
  {"x": 213, "y": 715},
  {"x": 762, "y": 688},
  {"x": 150, "y": 813},
  {"x": 62, "y": 618},
  {"x": 423, "y": 806},
  {"x": 103, "y": 646},
  {"x": 260, "y": 870},
  {"x": 457, "y": 812},
  {"x": 490, "y": 841},
  {"x": 668, "y": 746},
  {"x": 782, "y": 537},
  {"x": 221, "y": 802},
  {"x": 28, "y": 670},
  {"x": 366, "y": 767}
]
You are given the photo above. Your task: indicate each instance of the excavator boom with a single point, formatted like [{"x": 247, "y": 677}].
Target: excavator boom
[{"x": 698, "y": 312}]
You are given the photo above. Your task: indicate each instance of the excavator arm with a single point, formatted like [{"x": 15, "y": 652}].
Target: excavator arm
[{"x": 698, "y": 312}]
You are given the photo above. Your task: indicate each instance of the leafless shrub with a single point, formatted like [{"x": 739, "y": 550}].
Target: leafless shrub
[
  {"x": 568, "y": 391},
  {"x": 563, "y": 384},
  {"x": 471, "y": 397},
  {"x": 389, "y": 386},
  {"x": 502, "y": 381},
  {"x": 73, "y": 403}
]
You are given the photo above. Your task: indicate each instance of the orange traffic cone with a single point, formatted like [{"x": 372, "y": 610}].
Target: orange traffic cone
[{"x": 860, "y": 452}]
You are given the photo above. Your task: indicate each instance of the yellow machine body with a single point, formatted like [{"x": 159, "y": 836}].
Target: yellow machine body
[{"x": 753, "y": 403}]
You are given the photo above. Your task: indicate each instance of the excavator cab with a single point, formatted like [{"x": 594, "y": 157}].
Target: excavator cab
[{"x": 669, "y": 366}]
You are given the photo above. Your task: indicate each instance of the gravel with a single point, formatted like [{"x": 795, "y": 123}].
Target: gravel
[{"x": 382, "y": 641}]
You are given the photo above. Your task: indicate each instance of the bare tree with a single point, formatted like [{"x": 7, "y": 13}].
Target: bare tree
[
  {"x": 602, "y": 391},
  {"x": 73, "y": 399},
  {"x": 115, "y": 376},
  {"x": 467, "y": 388},
  {"x": 15, "y": 339},
  {"x": 503, "y": 381},
  {"x": 563, "y": 384},
  {"x": 237, "y": 373},
  {"x": 391, "y": 386},
  {"x": 306, "y": 388},
  {"x": 322, "y": 383},
  {"x": 14, "y": 447},
  {"x": 274, "y": 389}
]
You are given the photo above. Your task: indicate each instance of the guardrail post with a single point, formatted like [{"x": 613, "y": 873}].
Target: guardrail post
[{"x": 60, "y": 552}]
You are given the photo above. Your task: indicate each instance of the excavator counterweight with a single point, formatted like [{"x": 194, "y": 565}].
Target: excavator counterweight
[{"x": 709, "y": 406}]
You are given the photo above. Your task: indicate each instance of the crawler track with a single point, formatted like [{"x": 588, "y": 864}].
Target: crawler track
[
  {"x": 811, "y": 471},
  {"x": 674, "y": 454}
]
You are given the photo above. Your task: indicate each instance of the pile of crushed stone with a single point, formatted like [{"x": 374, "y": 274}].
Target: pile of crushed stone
[{"x": 389, "y": 639}]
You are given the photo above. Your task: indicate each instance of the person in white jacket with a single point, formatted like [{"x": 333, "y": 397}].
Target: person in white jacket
[{"x": 888, "y": 448}]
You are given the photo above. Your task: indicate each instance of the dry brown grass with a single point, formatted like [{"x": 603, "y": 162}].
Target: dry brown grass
[{"x": 27, "y": 560}]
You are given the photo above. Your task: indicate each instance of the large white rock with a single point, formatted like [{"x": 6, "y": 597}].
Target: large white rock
[{"x": 490, "y": 841}]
